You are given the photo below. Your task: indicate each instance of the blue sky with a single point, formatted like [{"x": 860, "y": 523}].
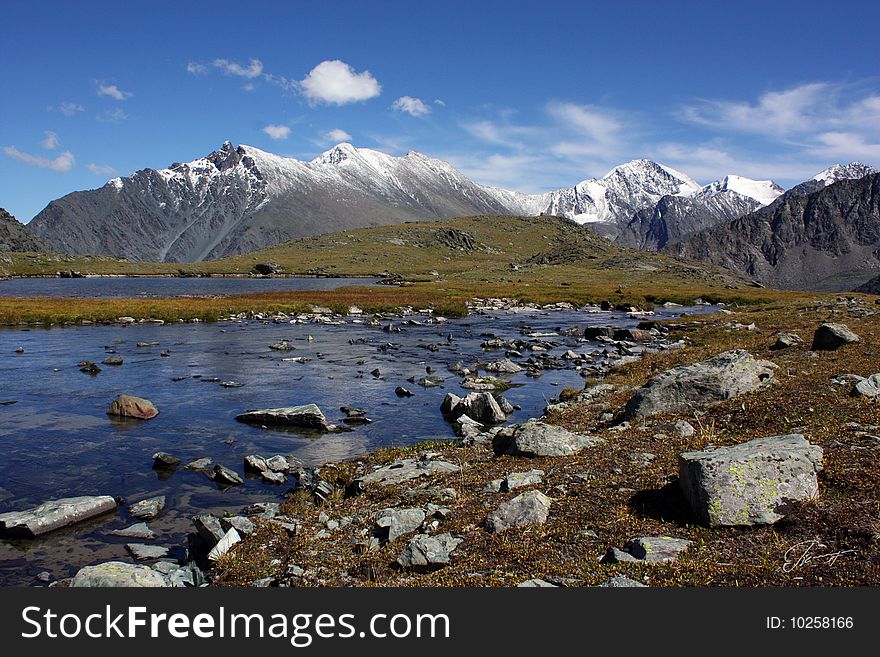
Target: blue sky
[{"x": 525, "y": 95}]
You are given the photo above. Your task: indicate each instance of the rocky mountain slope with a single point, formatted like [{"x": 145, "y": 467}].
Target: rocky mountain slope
[
  {"x": 241, "y": 199},
  {"x": 826, "y": 240},
  {"x": 14, "y": 235}
]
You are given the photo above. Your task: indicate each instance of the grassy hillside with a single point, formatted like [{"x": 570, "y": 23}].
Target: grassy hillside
[{"x": 540, "y": 259}]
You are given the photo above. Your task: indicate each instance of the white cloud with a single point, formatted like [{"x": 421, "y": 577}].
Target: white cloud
[
  {"x": 336, "y": 136},
  {"x": 67, "y": 108},
  {"x": 440, "y": 102},
  {"x": 101, "y": 169},
  {"x": 116, "y": 115},
  {"x": 249, "y": 86},
  {"x": 277, "y": 131},
  {"x": 335, "y": 82},
  {"x": 195, "y": 68},
  {"x": 253, "y": 70},
  {"x": 410, "y": 105},
  {"x": 50, "y": 143},
  {"x": 62, "y": 164},
  {"x": 114, "y": 92}
]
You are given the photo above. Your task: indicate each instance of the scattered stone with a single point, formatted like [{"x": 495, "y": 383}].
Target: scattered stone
[
  {"x": 224, "y": 544},
  {"x": 620, "y": 581},
  {"x": 129, "y": 406},
  {"x": 403, "y": 470},
  {"x": 255, "y": 463},
  {"x": 308, "y": 416},
  {"x": 632, "y": 335},
  {"x": 684, "y": 428},
  {"x": 648, "y": 549},
  {"x": 530, "y": 508},
  {"x": 226, "y": 476},
  {"x": 54, "y": 514},
  {"x": 208, "y": 527},
  {"x": 399, "y": 521},
  {"x": 536, "y": 583},
  {"x": 199, "y": 464},
  {"x": 165, "y": 460},
  {"x": 271, "y": 477},
  {"x": 118, "y": 574},
  {"x": 869, "y": 387},
  {"x": 521, "y": 479},
  {"x": 138, "y": 530},
  {"x": 830, "y": 336},
  {"x": 143, "y": 552},
  {"x": 400, "y": 391},
  {"x": 536, "y": 438},
  {"x": 725, "y": 376},
  {"x": 479, "y": 406},
  {"x": 505, "y": 366},
  {"x": 752, "y": 483},
  {"x": 148, "y": 509},
  {"x": 241, "y": 524},
  {"x": 113, "y": 361},
  {"x": 785, "y": 341},
  {"x": 425, "y": 552}
]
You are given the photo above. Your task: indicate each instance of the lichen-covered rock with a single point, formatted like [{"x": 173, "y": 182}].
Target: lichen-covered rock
[
  {"x": 536, "y": 438},
  {"x": 682, "y": 388},
  {"x": 399, "y": 521},
  {"x": 752, "y": 483},
  {"x": 830, "y": 336},
  {"x": 530, "y": 508},
  {"x": 129, "y": 406},
  {"x": 426, "y": 552},
  {"x": 148, "y": 509},
  {"x": 118, "y": 574},
  {"x": 403, "y": 470}
]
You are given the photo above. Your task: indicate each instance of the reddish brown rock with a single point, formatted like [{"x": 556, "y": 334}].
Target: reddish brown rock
[{"x": 132, "y": 407}]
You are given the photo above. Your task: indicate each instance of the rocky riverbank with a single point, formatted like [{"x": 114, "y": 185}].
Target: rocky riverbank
[{"x": 711, "y": 455}]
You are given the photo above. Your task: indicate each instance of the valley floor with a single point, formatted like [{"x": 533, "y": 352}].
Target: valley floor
[{"x": 627, "y": 486}]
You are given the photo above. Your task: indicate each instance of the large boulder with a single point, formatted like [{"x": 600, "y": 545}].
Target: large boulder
[
  {"x": 307, "y": 416},
  {"x": 682, "y": 388},
  {"x": 530, "y": 508},
  {"x": 830, "y": 336},
  {"x": 55, "y": 514},
  {"x": 752, "y": 483},
  {"x": 118, "y": 574},
  {"x": 129, "y": 406},
  {"x": 535, "y": 438}
]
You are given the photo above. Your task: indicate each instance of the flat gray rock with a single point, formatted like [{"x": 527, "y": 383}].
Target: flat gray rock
[
  {"x": 426, "y": 552},
  {"x": 308, "y": 416},
  {"x": 118, "y": 574},
  {"x": 725, "y": 376},
  {"x": 138, "y": 530},
  {"x": 403, "y": 470},
  {"x": 536, "y": 438},
  {"x": 55, "y": 514},
  {"x": 536, "y": 584},
  {"x": 529, "y": 508},
  {"x": 144, "y": 552},
  {"x": 648, "y": 549},
  {"x": 619, "y": 582},
  {"x": 400, "y": 521},
  {"x": 752, "y": 483},
  {"x": 209, "y": 528}
]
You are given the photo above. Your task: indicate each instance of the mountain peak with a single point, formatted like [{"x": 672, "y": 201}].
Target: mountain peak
[
  {"x": 227, "y": 157},
  {"x": 837, "y": 172},
  {"x": 762, "y": 191},
  {"x": 339, "y": 153}
]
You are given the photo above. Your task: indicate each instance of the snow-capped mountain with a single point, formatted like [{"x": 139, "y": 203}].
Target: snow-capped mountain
[
  {"x": 832, "y": 174},
  {"x": 240, "y": 199}
]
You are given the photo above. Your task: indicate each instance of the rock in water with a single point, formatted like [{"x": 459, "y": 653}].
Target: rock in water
[
  {"x": 830, "y": 337},
  {"x": 425, "y": 552},
  {"x": 751, "y": 483},
  {"x": 132, "y": 407},
  {"x": 478, "y": 406},
  {"x": 308, "y": 416},
  {"x": 148, "y": 509},
  {"x": 144, "y": 552},
  {"x": 531, "y": 508},
  {"x": 535, "y": 438},
  {"x": 138, "y": 530},
  {"x": 118, "y": 574},
  {"x": 682, "y": 388},
  {"x": 54, "y": 514}
]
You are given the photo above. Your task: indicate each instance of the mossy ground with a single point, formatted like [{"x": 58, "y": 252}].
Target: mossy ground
[
  {"x": 602, "y": 496},
  {"x": 537, "y": 259}
]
